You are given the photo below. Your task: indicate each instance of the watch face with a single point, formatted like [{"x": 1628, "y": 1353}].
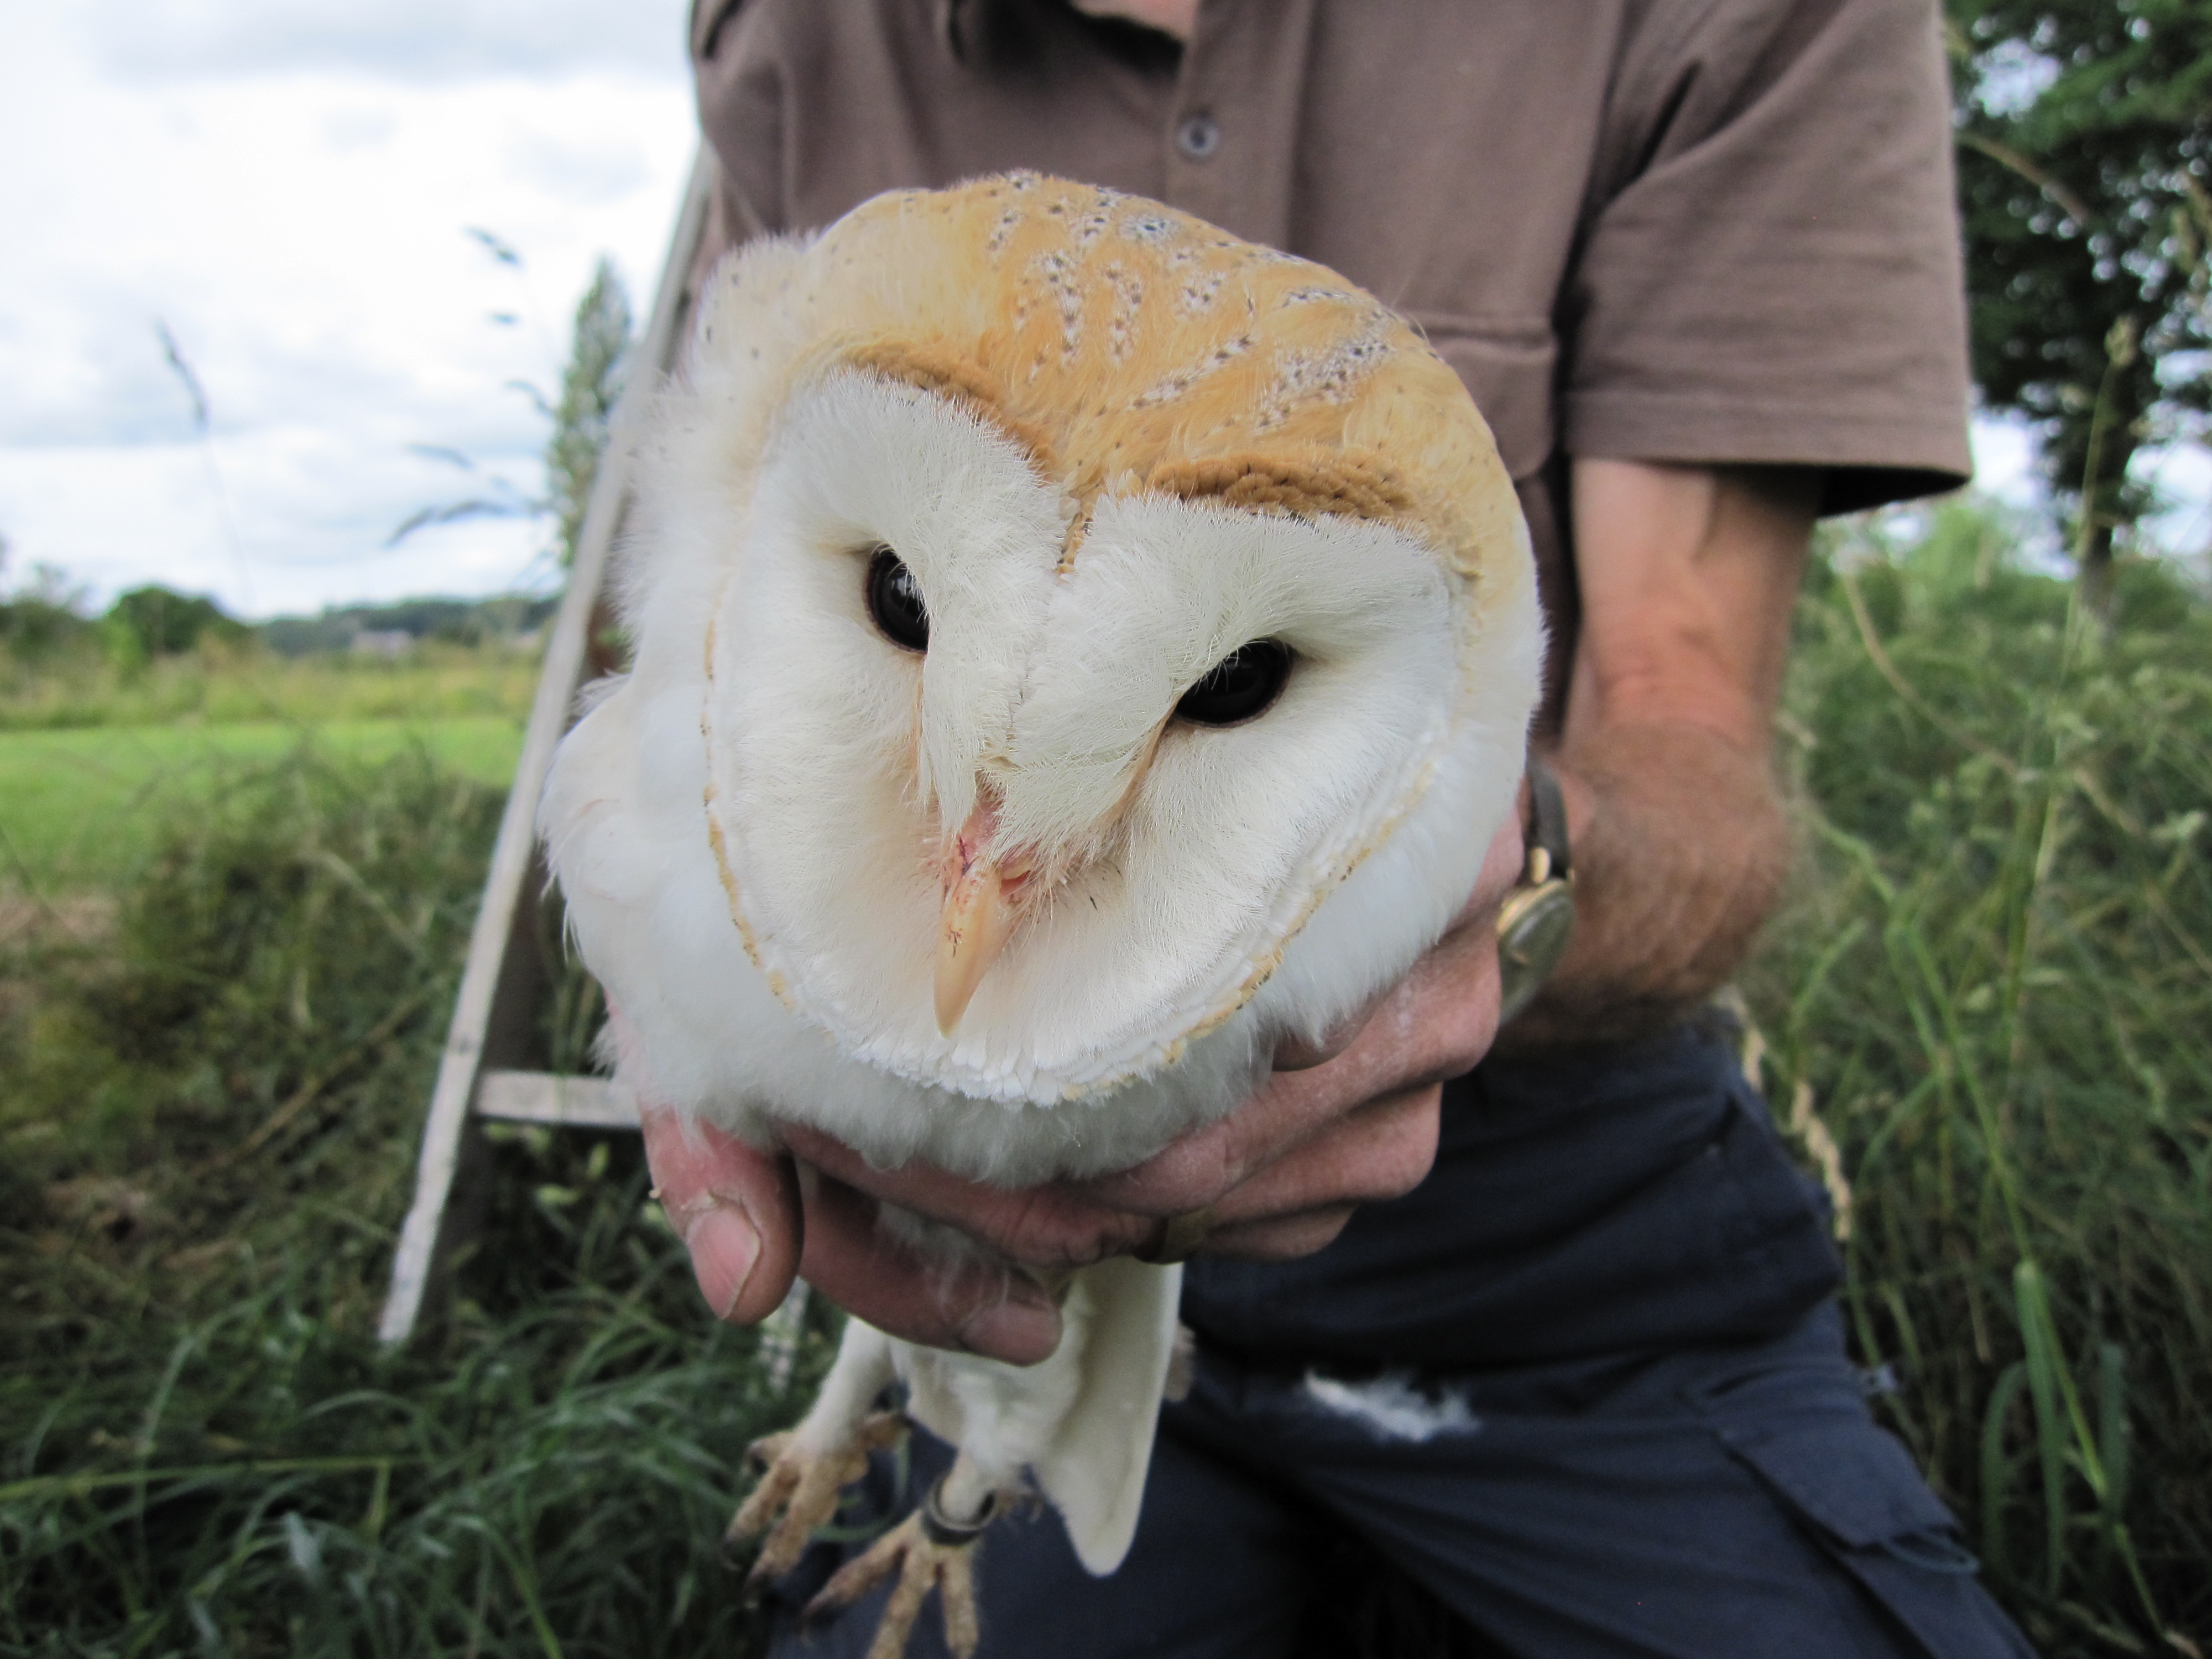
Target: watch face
[{"x": 1532, "y": 931}]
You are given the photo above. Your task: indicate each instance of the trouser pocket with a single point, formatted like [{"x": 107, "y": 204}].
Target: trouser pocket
[{"x": 1853, "y": 1487}]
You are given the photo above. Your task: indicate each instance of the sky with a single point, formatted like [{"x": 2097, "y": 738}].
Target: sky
[{"x": 288, "y": 187}]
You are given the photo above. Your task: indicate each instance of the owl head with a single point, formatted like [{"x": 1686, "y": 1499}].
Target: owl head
[{"x": 1066, "y": 635}]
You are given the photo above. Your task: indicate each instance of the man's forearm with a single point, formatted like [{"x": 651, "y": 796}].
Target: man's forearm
[
  {"x": 1680, "y": 851},
  {"x": 1687, "y": 577}
]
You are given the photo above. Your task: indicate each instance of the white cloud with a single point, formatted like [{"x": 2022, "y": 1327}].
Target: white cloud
[
  {"x": 297, "y": 216},
  {"x": 284, "y": 518},
  {"x": 416, "y": 41},
  {"x": 582, "y": 173},
  {"x": 2180, "y": 476},
  {"x": 2004, "y": 460}
]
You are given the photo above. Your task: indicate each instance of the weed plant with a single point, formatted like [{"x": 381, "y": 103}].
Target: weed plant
[{"x": 1995, "y": 988}]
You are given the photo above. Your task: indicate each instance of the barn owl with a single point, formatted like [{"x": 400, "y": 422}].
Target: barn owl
[{"x": 1075, "y": 651}]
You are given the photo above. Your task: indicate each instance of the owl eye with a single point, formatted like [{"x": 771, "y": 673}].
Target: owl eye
[
  {"x": 1239, "y": 686},
  {"x": 895, "y": 601}
]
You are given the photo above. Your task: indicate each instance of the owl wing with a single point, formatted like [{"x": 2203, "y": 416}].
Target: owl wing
[{"x": 1093, "y": 1472}]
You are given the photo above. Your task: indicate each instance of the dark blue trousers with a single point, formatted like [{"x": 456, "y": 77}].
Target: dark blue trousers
[{"x": 1721, "y": 1495}]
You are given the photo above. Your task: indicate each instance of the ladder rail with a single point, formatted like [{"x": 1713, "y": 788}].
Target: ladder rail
[{"x": 497, "y": 979}]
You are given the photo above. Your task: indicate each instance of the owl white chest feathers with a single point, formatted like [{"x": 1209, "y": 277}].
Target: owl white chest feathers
[{"x": 1074, "y": 649}]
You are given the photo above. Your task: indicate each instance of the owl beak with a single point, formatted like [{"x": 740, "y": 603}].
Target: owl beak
[{"x": 981, "y": 889}]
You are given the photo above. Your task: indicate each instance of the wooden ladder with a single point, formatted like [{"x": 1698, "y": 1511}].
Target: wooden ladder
[{"x": 505, "y": 980}]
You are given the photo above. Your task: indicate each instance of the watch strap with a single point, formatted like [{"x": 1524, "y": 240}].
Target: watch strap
[{"x": 1547, "y": 824}]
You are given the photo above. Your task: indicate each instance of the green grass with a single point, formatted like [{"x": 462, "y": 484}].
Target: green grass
[
  {"x": 1992, "y": 988},
  {"x": 223, "y": 685},
  {"x": 208, "y": 1115},
  {"x": 1995, "y": 988},
  {"x": 80, "y": 808},
  {"x": 97, "y": 759}
]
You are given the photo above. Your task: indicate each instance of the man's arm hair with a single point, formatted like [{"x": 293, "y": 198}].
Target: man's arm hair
[{"x": 1688, "y": 575}]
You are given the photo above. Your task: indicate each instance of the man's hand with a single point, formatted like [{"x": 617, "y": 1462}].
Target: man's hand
[{"x": 1350, "y": 1122}]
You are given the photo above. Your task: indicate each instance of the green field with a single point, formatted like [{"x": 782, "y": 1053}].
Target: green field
[
  {"x": 219, "y": 685},
  {"x": 79, "y": 808}
]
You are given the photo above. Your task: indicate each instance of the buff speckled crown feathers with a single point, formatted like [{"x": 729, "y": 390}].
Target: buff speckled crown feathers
[{"x": 1120, "y": 342}]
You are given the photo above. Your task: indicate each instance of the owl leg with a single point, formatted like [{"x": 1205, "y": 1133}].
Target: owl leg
[
  {"x": 806, "y": 1469},
  {"x": 934, "y": 1548}
]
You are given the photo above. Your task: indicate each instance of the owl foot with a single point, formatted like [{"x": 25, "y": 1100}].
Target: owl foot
[
  {"x": 805, "y": 1487},
  {"x": 928, "y": 1551}
]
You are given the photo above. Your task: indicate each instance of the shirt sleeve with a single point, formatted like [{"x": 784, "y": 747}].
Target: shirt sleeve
[{"x": 1774, "y": 276}]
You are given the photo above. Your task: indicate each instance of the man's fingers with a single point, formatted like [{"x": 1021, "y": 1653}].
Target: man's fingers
[
  {"x": 1380, "y": 1151},
  {"x": 1295, "y": 1054},
  {"x": 1281, "y": 1238},
  {"x": 1057, "y": 1225},
  {"x": 1198, "y": 1169},
  {"x": 966, "y": 1302},
  {"x": 750, "y": 1231},
  {"x": 736, "y": 1208},
  {"x": 1435, "y": 1025},
  {"x": 1301, "y": 1202}
]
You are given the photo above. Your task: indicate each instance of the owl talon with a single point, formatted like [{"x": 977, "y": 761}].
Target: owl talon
[
  {"x": 803, "y": 1487},
  {"x": 921, "y": 1555},
  {"x": 761, "y": 1455}
]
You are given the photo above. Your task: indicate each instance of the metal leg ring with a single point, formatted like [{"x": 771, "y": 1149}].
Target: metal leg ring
[{"x": 942, "y": 1530}]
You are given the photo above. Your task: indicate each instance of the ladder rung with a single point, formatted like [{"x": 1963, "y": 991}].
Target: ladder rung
[{"x": 595, "y": 1103}]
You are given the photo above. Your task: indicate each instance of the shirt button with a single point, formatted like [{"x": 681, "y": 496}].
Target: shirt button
[{"x": 1198, "y": 136}]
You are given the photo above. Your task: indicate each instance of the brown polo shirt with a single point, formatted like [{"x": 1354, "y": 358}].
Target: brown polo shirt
[{"x": 1717, "y": 231}]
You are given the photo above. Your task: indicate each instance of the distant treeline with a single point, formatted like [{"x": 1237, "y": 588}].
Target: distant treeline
[
  {"x": 153, "y": 622},
  {"x": 463, "y": 622}
]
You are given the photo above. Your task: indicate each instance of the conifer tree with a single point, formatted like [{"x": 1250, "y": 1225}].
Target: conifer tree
[{"x": 589, "y": 390}]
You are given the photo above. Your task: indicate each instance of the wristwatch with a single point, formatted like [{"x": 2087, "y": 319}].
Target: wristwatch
[{"x": 1538, "y": 915}]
